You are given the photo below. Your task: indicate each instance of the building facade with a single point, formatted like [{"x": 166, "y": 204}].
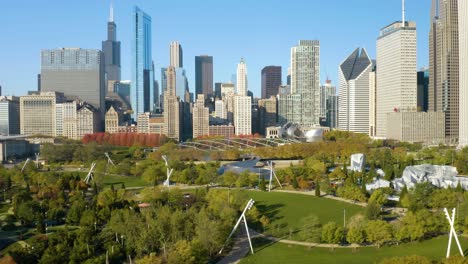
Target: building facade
[
  {"x": 176, "y": 57},
  {"x": 354, "y": 92},
  {"x": 242, "y": 115},
  {"x": 142, "y": 65},
  {"x": 75, "y": 72},
  {"x": 9, "y": 115},
  {"x": 201, "y": 118},
  {"x": 172, "y": 108},
  {"x": 87, "y": 120},
  {"x": 271, "y": 81},
  {"x": 204, "y": 75},
  {"x": 326, "y": 91},
  {"x": 241, "y": 84},
  {"x": 396, "y": 74},
  {"x": 424, "y": 127},
  {"x": 463, "y": 68},
  {"x": 372, "y": 101},
  {"x": 112, "y": 120},
  {"x": 225, "y": 131},
  {"x": 423, "y": 90},
  {"x": 267, "y": 113},
  {"x": 38, "y": 113},
  {"x": 444, "y": 77}
]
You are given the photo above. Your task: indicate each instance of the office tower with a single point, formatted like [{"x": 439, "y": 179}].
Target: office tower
[
  {"x": 111, "y": 50},
  {"x": 172, "y": 109},
  {"x": 332, "y": 111},
  {"x": 288, "y": 77},
  {"x": 201, "y": 118},
  {"x": 176, "y": 55},
  {"x": 204, "y": 75},
  {"x": 326, "y": 91},
  {"x": 220, "y": 111},
  {"x": 38, "y": 113},
  {"x": 354, "y": 92},
  {"x": 9, "y": 115},
  {"x": 423, "y": 89},
  {"x": 227, "y": 89},
  {"x": 38, "y": 82},
  {"x": 241, "y": 84},
  {"x": 66, "y": 119},
  {"x": 444, "y": 64},
  {"x": 112, "y": 120},
  {"x": 156, "y": 95},
  {"x": 422, "y": 127},
  {"x": 396, "y": 74},
  {"x": 142, "y": 75},
  {"x": 267, "y": 114},
  {"x": 243, "y": 115},
  {"x": 463, "y": 54},
  {"x": 302, "y": 105},
  {"x": 87, "y": 120},
  {"x": 75, "y": 72},
  {"x": 372, "y": 99},
  {"x": 271, "y": 81},
  {"x": 181, "y": 83},
  {"x": 163, "y": 80},
  {"x": 217, "y": 92},
  {"x": 122, "y": 88}
]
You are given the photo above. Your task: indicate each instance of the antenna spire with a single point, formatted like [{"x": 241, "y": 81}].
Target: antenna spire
[
  {"x": 403, "y": 13},
  {"x": 111, "y": 15}
]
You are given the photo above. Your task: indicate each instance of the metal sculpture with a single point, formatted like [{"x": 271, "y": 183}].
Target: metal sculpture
[
  {"x": 168, "y": 171},
  {"x": 451, "y": 220},
  {"x": 249, "y": 205},
  {"x": 272, "y": 174},
  {"x": 25, "y": 163},
  {"x": 90, "y": 177}
]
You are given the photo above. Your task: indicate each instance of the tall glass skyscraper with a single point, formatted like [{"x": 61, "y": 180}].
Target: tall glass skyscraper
[
  {"x": 142, "y": 67},
  {"x": 204, "y": 75}
]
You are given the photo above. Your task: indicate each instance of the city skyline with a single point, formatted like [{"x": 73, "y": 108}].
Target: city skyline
[{"x": 258, "y": 52}]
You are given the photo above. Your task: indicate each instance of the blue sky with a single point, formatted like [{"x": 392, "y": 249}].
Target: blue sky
[{"x": 261, "y": 31}]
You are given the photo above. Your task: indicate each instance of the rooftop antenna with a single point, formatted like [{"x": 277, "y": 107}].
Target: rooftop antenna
[
  {"x": 25, "y": 163},
  {"x": 451, "y": 220},
  {"x": 403, "y": 13},
  {"x": 242, "y": 217},
  {"x": 111, "y": 15},
  {"x": 168, "y": 171},
  {"x": 272, "y": 174},
  {"x": 90, "y": 177}
]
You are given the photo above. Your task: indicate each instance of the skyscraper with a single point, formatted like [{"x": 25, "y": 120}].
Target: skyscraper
[
  {"x": 271, "y": 81},
  {"x": 172, "y": 109},
  {"x": 176, "y": 55},
  {"x": 75, "y": 72},
  {"x": 204, "y": 75},
  {"x": 326, "y": 91},
  {"x": 111, "y": 50},
  {"x": 443, "y": 64},
  {"x": 305, "y": 84},
  {"x": 354, "y": 92},
  {"x": 396, "y": 74},
  {"x": 142, "y": 74},
  {"x": 241, "y": 84},
  {"x": 201, "y": 118},
  {"x": 463, "y": 68},
  {"x": 9, "y": 115},
  {"x": 243, "y": 115}
]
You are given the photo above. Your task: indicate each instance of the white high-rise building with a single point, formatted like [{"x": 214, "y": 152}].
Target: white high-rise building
[
  {"x": 243, "y": 115},
  {"x": 201, "y": 118},
  {"x": 372, "y": 100},
  {"x": 220, "y": 109},
  {"x": 176, "y": 55},
  {"x": 354, "y": 92},
  {"x": 463, "y": 67},
  {"x": 305, "y": 82},
  {"x": 241, "y": 85},
  {"x": 397, "y": 72}
]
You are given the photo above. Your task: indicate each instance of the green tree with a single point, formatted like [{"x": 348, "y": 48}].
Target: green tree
[
  {"x": 378, "y": 232},
  {"x": 262, "y": 185},
  {"x": 372, "y": 210},
  {"x": 332, "y": 234},
  {"x": 181, "y": 253},
  {"x": 356, "y": 230},
  {"x": 310, "y": 229},
  {"x": 379, "y": 197}
]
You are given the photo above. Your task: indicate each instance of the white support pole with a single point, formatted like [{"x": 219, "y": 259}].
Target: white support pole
[
  {"x": 274, "y": 173},
  {"x": 248, "y": 234},
  {"x": 25, "y": 163},
  {"x": 109, "y": 160},
  {"x": 37, "y": 160},
  {"x": 90, "y": 177},
  {"x": 271, "y": 175}
]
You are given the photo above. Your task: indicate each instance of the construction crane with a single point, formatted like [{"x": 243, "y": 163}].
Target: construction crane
[{"x": 168, "y": 171}]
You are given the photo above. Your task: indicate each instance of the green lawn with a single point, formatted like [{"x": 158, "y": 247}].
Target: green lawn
[
  {"x": 129, "y": 181},
  {"x": 286, "y": 210},
  {"x": 265, "y": 252}
]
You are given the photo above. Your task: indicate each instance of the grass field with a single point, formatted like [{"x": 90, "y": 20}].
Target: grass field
[
  {"x": 265, "y": 252},
  {"x": 285, "y": 211},
  {"x": 129, "y": 181}
]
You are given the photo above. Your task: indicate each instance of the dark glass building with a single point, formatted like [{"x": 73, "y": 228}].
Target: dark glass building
[
  {"x": 204, "y": 75},
  {"x": 271, "y": 81},
  {"x": 111, "y": 50}
]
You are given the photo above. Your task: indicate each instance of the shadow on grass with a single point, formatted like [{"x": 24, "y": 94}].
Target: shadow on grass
[
  {"x": 260, "y": 244},
  {"x": 271, "y": 211}
]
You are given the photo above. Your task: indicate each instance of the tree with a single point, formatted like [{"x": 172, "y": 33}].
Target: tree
[
  {"x": 181, "y": 253},
  {"x": 418, "y": 197},
  {"x": 310, "y": 229},
  {"x": 317, "y": 187},
  {"x": 372, "y": 210},
  {"x": 262, "y": 185},
  {"x": 332, "y": 234},
  {"x": 379, "y": 197},
  {"x": 356, "y": 230},
  {"x": 378, "y": 232}
]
